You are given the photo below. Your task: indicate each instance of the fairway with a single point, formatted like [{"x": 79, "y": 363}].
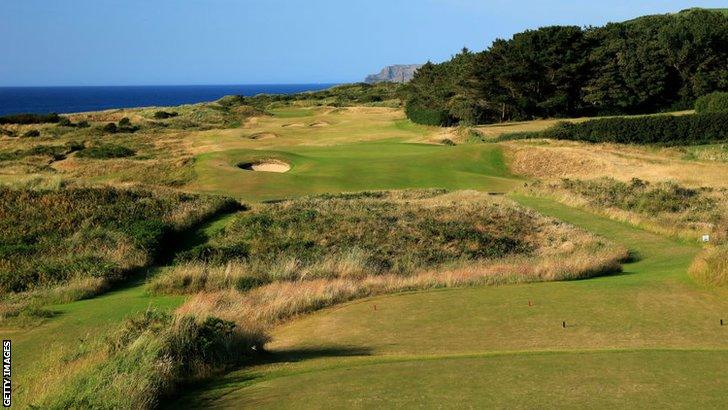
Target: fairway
[
  {"x": 355, "y": 167},
  {"x": 647, "y": 336}
]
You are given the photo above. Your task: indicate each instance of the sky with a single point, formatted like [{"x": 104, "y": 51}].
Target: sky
[{"x": 179, "y": 42}]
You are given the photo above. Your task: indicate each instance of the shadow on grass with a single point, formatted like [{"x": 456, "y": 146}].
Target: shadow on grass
[{"x": 236, "y": 378}]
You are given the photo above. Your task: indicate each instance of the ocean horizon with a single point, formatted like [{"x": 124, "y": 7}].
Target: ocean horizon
[{"x": 71, "y": 99}]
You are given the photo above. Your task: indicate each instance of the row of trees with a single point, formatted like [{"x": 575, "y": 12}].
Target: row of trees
[{"x": 649, "y": 64}]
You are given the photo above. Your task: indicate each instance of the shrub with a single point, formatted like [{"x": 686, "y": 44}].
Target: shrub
[
  {"x": 106, "y": 151},
  {"x": 161, "y": 115},
  {"x": 32, "y": 134},
  {"x": 110, "y": 128},
  {"x": 659, "y": 129},
  {"x": 427, "y": 116},
  {"x": 64, "y": 122},
  {"x": 83, "y": 124},
  {"x": 711, "y": 103},
  {"x": 124, "y": 122},
  {"x": 29, "y": 118}
]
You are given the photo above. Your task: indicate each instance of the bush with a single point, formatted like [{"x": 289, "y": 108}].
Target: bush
[
  {"x": 32, "y": 134},
  {"x": 65, "y": 122},
  {"x": 660, "y": 129},
  {"x": 162, "y": 115},
  {"x": 426, "y": 116},
  {"x": 124, "y": 122},
  {"x": 83, "y": 124},
  {"x": 29, "y": 118},
  {"x": 106, "y": 151},
  {"x": 711, "y": 103},
  {"x": 110, "y": 128}
]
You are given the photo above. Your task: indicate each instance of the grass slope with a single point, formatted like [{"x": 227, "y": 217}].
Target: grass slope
[
  {"x": 648, "y": 336},
  {"x": 354, "y": 167}
]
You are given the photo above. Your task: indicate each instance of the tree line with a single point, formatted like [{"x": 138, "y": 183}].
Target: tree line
[{"x": 650, "y": 64}]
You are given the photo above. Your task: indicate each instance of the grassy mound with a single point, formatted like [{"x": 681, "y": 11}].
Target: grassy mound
[
  {"x": 371, "y": 233},
  {"x": 85, "y": 238}
]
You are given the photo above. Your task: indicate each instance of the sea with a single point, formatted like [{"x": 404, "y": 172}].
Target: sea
[{"x": 16, "y": 100}]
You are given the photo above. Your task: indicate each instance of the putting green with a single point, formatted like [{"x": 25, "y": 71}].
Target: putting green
[
  {"x": 354, "y": 167},
  {"x": 648, "y": 336}
]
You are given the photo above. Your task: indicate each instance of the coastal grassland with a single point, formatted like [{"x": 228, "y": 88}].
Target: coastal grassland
[
  {"x": 155, "y": 351},
  {"x": 551, "y": 160},
  {"x": 648, "y": 335},
  {"x": 399, "y": 233},
  {"x": 710, "y": 267},
  {"x": 72, "y": 243},
  {"x": 294, "y": 257},
  {"x": 665, "y": 207}
]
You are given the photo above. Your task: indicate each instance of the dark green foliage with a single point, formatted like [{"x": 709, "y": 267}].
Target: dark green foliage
[
  {"x": 124, "y": 122},
  {"x": 106, "y": 151},
  {"x": 29, "y": 118},
  {"x": 650, "y": 64},
  {"x": 659, "y": 129},
  {"x": 161, "y": 115},
  {"x": 343, "y": 95},
  {"x": 110, "y": 128},
  {"x": 32, "y": 134},
  {"x": 64, "y": 122},
  {"x": 641, "y": 196},
  {"x": 714, "y": 102},
  {"x": 83, "y": 124},
  {"x": 50, "y": 237}
]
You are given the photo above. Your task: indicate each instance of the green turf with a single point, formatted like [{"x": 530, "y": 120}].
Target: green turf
[
  {"x": 646, "y": 338},
  {"x": 356, "y": 167}
]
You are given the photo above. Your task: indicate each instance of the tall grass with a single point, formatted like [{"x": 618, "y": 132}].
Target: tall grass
[
  {"x": 710, "y": 267},
  {"x": 267, "y": 305},
  {"x": 151, "y": 354},
  {"x": 66, "y": 244}
]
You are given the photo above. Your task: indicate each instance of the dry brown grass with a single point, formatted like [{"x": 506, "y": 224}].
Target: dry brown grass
[
  {"x": 552, "y": 160},
  {"x": 273, "y": 303},
  {"x": 711, "y": 267}
]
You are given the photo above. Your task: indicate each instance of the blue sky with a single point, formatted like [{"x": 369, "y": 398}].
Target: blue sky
[{"x": 141, "y": 42}]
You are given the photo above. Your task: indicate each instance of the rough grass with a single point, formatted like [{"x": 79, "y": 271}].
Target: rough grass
[
  {"x": 710, "y": 267},
  {"x": 373, "y": 233},
  {"x": 663, "y": 207},
  {"x": 150, "y": 355},
  {"x": 67, "y": 244}
]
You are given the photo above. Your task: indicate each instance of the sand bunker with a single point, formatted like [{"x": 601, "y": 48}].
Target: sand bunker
[
  {"x": 268, "y": 165},
  {"x": 295, "y": 124},
  {"x": 262, "y": 136},
  {"x": 319, "y": 124}
]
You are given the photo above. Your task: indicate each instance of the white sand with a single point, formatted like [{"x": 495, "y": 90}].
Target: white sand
[{"x": 271, "y": 166}]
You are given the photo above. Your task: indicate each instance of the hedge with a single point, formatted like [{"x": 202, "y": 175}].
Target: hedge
[
  {"x": 715, "y": 102},
  {"x": 662, "y": 129}
]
